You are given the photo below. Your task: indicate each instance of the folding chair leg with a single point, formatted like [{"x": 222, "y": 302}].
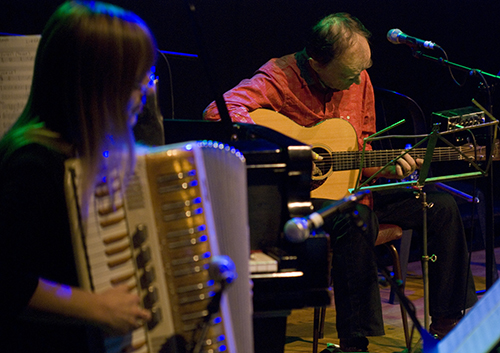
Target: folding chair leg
[
  {"x": 399, "y": 277},
  {"x": 316, "y": 327}
]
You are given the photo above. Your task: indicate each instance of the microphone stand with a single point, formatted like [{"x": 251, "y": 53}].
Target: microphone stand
[
  {"x": 418, "y": 184},
  {"x": 212, "y": 308},
  {"x": 490, "y": 217},
  {"x": 424, "y": 170},
  {"x": 429, "y": 342}
]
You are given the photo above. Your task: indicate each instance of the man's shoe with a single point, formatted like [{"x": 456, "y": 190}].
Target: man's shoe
[
  {"x": 331, "y": 348},
  {"x": 440, "y": 327},
  {"x": 357, "y": 344}
]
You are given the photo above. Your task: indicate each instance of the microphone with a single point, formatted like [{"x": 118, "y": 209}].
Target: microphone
[
  {"x": 222, "y": 270},
  {"x": 299, "y": 229},
  {"x": 396, "y": 36}
]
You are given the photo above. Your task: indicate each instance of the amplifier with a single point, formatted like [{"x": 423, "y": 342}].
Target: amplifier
[{"x": 458, "y": 118}]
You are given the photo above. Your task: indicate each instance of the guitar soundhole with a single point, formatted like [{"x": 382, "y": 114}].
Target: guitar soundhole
[{"x": 322, "y": 166}]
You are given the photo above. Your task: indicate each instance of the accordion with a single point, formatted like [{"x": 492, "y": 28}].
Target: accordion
[{"x": 185, "y": 204}]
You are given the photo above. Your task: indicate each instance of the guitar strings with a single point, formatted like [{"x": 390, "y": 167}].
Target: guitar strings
[{"x": 344, "y": 160}]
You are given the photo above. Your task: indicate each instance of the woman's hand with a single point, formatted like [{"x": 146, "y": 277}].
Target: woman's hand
[
  {"x": 116, "y": 310},
  {"x": 120, "y": 310}
]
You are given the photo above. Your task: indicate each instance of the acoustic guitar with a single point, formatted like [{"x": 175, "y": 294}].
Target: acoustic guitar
[{"x": 335, "y": 141}]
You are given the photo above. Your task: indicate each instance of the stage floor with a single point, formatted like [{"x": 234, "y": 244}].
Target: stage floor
[{"x": 300, "y": 322}]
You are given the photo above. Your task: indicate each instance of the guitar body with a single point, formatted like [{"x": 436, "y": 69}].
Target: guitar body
[
  {"x": 336, "y": 142},
  {"x": 335, "y": 135}
]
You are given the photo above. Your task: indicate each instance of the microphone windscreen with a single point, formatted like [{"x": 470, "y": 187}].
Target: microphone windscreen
[
  {"x": 394, "y": 36},
  {"x": 222, "y": 269},
  {"x": 297, "y": 230}
]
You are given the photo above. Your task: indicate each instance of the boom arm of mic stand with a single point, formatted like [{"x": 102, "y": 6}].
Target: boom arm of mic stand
[
  {"x": 418, "y": 54},
  {"x": 471, "y": 71}
]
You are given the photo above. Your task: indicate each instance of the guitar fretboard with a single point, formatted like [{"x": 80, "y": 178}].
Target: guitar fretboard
[
  {"x": 347, "y": 160},
  {"x": 336, "y": 141}
]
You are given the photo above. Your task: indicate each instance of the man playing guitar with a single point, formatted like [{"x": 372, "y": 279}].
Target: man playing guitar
[{"x": 328, "y": 81}]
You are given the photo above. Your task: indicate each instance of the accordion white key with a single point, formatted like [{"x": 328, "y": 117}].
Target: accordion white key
[{"x": 185, "y": 204}]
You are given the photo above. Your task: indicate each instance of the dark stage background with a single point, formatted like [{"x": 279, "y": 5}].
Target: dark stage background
[{"x": 240, "y": 35}]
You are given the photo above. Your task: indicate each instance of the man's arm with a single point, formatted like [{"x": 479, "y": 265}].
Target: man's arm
[{"x": 263, "y": 90}]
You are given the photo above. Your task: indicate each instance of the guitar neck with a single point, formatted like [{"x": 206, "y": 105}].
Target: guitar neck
[{"x": 347, "y": 160}]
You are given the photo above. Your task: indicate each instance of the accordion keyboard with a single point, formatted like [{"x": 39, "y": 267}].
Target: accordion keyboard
[{"x": 158, "y": 235}]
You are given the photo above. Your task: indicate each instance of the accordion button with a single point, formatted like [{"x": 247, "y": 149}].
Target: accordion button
[
  {"x": 144, "y": 257},
  {"x": 148, "y": 277},
  {"x": 140, "y": 235},
  {"x": 150, "y": 298},
  {"x": 156, "y": 318}
]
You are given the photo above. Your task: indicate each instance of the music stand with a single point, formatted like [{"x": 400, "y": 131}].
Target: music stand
[{"x": 418, "y": 186}]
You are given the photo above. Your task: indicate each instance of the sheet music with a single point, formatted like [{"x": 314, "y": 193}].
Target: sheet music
[
  {"x": 478, "y": 331},
  {"x": 17, "y": 58}
]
